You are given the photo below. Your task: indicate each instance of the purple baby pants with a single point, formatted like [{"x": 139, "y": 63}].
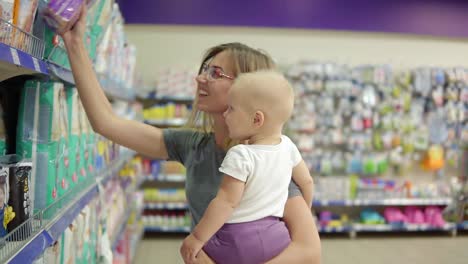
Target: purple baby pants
[{"x": 248, "y": 243}]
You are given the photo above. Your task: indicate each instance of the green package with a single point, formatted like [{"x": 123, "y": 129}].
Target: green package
[
  {"x": 83, "y": 142},
  {"x": 73, "y": 134},
  {"x": 3, "y": 146},
  {"x": 43, "y": 137}
]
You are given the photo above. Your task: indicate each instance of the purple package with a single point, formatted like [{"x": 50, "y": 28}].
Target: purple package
[{"x": 61, "y": 15}]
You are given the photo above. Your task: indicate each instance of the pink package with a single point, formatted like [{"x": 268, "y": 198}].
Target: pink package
[
  {"x": 434, "y": 216},
  {"x": 414, "y": 215},
  {"x": 394, "y": 215},
  {"x": 61, "y": 15}
]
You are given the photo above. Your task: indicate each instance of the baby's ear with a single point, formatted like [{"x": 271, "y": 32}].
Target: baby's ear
[{"x": 259, "y": 119}]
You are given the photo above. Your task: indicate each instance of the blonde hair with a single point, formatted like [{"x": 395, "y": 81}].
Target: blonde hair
[
  {"x": 244, "y": 59},
  {"x": 268, "y": 91}
]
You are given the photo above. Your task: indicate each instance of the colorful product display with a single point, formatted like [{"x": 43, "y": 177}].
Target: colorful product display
[
  {"x": 167, "y": 220},
  {"x": 174, "y": 81},
  {"x": 155, "y": 195},
  {"x": 166, "y": 111},
  {"x": 19, "y": 14},
  {"x": 371, "y": 121},
  {"x": 163, "y": 170}
]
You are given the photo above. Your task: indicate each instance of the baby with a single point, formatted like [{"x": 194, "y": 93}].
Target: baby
[{"x": 242, "y": 223}]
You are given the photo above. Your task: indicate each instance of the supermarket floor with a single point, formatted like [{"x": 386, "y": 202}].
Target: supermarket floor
[{"x": 363, "y": 250}]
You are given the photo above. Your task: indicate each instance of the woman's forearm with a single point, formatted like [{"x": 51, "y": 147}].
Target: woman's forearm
[
  {"x": 305, "y": 246},
  {"x": 96, "y": 105}
]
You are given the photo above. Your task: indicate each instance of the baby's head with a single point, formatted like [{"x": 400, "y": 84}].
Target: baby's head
[{"x": 258, "y": 103}]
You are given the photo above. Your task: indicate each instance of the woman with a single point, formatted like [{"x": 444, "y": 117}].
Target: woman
[{"x": 200, "y": 151}]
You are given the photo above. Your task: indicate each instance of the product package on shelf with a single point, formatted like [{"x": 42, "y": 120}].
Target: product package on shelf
[
  {"x": 25, "y": 13},
  {"x": 86, "y": 146},
  {"x": 19, "y": 190},
  {"x": 54, "y": 48},
  {"x": 3, "y": 144},
  {"x": 7, "y": 8},
  {"x": 17, "y": 22},
  {"x": 175, "y": 82},
  {"x": 6, "y": 212},
  {"x": 167, "y": 112},
  {"x": 376, "y": 123},
  {"x": 74, "y": 136},
  {"x": 42, "y": 136}
]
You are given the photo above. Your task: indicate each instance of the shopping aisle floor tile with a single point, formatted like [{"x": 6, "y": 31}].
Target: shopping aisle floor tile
[{"x": 382, "y": 250}]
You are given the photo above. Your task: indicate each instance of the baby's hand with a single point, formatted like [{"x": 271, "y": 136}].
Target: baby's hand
[{"x": 190, "y": 249}]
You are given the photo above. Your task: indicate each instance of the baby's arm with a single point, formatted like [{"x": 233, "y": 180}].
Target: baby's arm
[
  {"x": 218, "y": 212},
  {"x": 220, "y": 208},
  {"x": 302, "y": 178}
]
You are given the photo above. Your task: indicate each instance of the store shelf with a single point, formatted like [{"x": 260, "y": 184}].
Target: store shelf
[
  {"x": 165, "y": 206},
  {"x": 463, "y": 226},
  {"x": 167, "y": 229},
  {"x": 47, "y": 226},
  {"x": 166, "y": 178},
  {"x": 335, "y": 230},
  {"x": 401, "y": 228},
  {"x": 172, "y": 98},
  {"x": 173, "y": 122},
  {"x": 115, "y": 90},
  {"x": 28, "y": 61},
  {"x": 14, "y": 62},
  {"x": 383, "y": 202}
]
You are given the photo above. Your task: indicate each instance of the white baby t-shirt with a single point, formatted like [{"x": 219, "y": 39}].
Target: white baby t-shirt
[{"x": 266, "y": 171}]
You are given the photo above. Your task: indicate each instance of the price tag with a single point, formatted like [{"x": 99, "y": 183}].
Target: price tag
[
  {"x": 36, "y": 64},
  {"x": 14, "y": 55}
]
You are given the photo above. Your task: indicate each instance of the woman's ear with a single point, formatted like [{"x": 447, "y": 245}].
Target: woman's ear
[{"x": 259, "y": 119}]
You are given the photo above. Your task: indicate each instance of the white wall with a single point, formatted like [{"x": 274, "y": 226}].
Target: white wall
[{"x": 162, "y": 46}]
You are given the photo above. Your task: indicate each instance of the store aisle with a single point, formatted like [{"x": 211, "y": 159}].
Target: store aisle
[{"x": 402, "y": 250}]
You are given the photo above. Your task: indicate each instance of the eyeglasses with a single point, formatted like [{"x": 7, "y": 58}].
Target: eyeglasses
[{"x": 214, "y": 73}]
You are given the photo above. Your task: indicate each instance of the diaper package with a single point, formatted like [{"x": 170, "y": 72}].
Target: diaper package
[
  {"x": 83, "y": 142},
  {"x": 74, "y": 131},
  {"x": 18, "y": 174},
  {"x": 6, "y": 14},
  {"x": 61, "y": 15},
  {"x": 3, "y": 145},
  {"x": 42, "y": 136}
]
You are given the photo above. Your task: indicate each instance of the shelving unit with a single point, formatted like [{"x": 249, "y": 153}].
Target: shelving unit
[
  {"x": 180, "y": 178},
  {"x": 166, "y": 206},
  {"x": 166, "y": 229},
  {"x": 47, "y": 226},
  {"x": 384, "y": 202},
  {"x": 173, "y": 122},
  {"x": 15, "y": 62},
  {"x": 29, "y": 240}
]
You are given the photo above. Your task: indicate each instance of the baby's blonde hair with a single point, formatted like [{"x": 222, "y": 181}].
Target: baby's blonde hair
[{"x": 266, "y": 91}]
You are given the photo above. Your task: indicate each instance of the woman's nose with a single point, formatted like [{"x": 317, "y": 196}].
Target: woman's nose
[{"x": 201, "y": 78}]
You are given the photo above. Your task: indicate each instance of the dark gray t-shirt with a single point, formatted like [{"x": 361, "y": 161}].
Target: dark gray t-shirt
[{"x": 202, "y": 158}]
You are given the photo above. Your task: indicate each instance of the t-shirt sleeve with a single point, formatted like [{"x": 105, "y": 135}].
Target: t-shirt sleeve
[
  {"x": 178, "y": 143},
  {"x": 293, "y": 190},
  {"x": 237, "y": 163}
]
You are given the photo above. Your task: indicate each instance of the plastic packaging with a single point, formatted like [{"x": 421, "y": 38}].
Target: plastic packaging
[
  {"x": 24, "y": 17},
  {"x": 61, "y": 15},
  {"x": 20, "y": 192},
  {"x": 6, "y": 14},
  {"x": 42, "y": 136}
]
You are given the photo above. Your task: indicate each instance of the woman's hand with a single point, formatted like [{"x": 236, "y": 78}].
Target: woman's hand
[
  {"x": 77, "y": 32},
  {"x": 190, "y": 249}
]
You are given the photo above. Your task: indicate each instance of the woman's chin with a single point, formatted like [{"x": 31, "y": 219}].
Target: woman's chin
[{"x": 210, "y": 109}]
